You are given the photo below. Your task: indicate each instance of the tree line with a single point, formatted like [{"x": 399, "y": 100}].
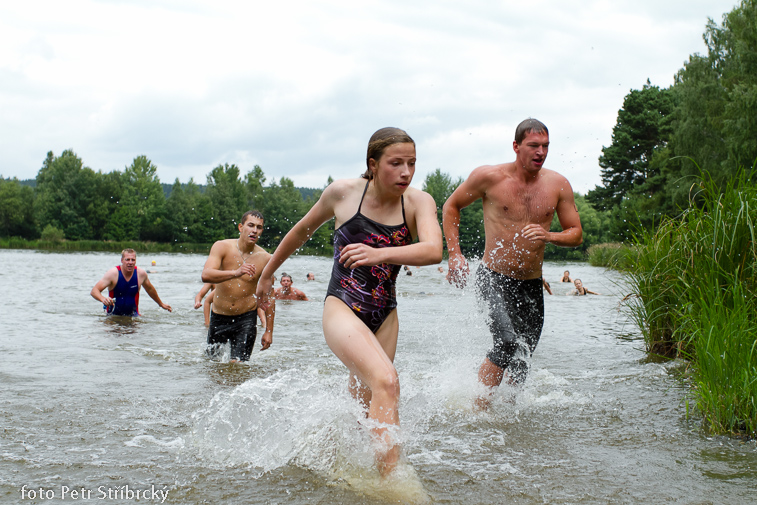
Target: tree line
[
  {"x": 73, "y": 202},
  {"x": 666, "y": 139}
]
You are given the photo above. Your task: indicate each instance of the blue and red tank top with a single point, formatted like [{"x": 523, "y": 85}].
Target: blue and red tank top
[{"x": 125, "y": 294}]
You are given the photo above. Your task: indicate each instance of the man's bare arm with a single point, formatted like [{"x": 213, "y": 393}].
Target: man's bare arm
[
  {"x": 567, "y": 212},
  {"x": 201, "y": 294},
  {"x": 153, "y": 293},
  {"x": 465, "y": 194},
  {"x": 570, "y": 222},
  {"x": 107, "y": 282}
]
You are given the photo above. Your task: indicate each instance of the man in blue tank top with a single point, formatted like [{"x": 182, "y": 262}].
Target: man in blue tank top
[{"x": 123, "y": 283}]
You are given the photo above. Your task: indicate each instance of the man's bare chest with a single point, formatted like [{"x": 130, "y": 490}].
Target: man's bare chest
[{"x": 517, "y": 204}]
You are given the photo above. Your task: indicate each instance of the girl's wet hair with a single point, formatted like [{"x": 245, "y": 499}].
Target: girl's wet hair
[
  {"x": 527, "y": 126},
  {"x": 380, "y": 140}
]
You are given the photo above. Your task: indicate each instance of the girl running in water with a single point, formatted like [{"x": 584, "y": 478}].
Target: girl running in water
[{"x": 381, "y": 223}]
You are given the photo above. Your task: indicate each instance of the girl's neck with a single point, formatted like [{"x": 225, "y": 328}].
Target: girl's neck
[{"x": 379, "y": 196}]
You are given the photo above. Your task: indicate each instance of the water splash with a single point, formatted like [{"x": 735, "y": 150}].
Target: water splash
[{"x": 300, "y": 418}]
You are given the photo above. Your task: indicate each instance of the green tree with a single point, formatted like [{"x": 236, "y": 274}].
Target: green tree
[
  {"x": 716, "y": 121},
  {"x": 145, "y": 200},
  {"x": 16, "y": 209},
  {"x": 642, "y": 128},
  {"x": 472, "y": 237},
  {"x": 109, "y": 193},
  {"x": 254, "y": 181},
  {"x": 65, "y": 195},
  {"x": 228, "y": 200},
  {"x": 189, "y": 213},
  {"x": 440, "y": 186},
  {"x": 472, "y": 232},
  {"x": 282, "y": 207}
]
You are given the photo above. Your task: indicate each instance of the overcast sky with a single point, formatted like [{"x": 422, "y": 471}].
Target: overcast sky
[{"x": 299, "y": 86}]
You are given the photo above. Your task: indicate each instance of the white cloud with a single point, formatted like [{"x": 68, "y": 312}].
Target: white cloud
[{"x": 297, "y": 87}]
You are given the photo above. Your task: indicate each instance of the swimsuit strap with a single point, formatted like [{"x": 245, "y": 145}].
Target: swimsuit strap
[
  {"x": 402, "y": 201},
  {"x": 363, "y": 197}
]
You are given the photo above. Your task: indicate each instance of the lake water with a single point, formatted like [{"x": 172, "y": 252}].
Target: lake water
[{"x": 98, "y": 408}]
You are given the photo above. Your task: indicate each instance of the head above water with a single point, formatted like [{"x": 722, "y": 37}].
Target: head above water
[
  {"x": 527, "y": 126},
  {"x": 286, "y": 280},
  {"x": 253, "y": 213},
  {"x": 378, "y": 143},
  {"x": 128, "y": 261}
]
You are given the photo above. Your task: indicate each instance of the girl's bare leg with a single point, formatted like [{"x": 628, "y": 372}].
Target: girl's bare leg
[{"x": 369, "y": 358}]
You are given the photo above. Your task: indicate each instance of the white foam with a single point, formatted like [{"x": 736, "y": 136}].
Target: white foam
[{"x": 142, "y": 440}]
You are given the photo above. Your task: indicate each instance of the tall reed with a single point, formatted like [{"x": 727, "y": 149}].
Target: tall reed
[
  {"x": 725, "y": 352},
  {"x": 695, "y": 286}
]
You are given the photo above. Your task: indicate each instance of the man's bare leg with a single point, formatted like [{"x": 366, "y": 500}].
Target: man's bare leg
[{"x": 490, "y": 375}]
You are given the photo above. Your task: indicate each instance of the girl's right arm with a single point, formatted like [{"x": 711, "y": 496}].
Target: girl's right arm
[{"x": 322, "y": 211}]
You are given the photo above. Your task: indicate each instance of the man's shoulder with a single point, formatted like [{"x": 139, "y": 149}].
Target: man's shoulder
[
  {"x": 259, "y": 252},
  {"x": 552, "y": 174},
  {"x": 555, "y": 180},
  {"x": 224, "y": 243},
  {"x": 492, "y": 173},
  {"x": 111, "y": 272}
]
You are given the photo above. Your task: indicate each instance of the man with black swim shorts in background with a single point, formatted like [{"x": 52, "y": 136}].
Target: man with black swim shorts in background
[
  {"x": 123, "y": 283},
  {"x": 519, "y": 199},
  {"x": 234, "y": 266}
]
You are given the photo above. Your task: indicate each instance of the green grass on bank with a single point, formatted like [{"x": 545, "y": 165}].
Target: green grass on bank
[
  {"x": 694, "y": 284},
  {"x": 612, "y": 255}
]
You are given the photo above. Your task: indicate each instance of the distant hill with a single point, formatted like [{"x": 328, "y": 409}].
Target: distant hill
[{"x": 305, "y": 192}]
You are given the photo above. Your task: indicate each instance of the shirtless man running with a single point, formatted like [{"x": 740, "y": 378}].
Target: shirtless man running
[
  {"x": 234, "y": 266},
  {"x": 287, "y": 291},
  {"x": 520, "y": 199}
]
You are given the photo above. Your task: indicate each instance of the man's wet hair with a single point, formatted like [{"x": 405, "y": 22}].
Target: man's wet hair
[
  {"x": 527, "y": 126},
  {"x": 284, "y": 274},
  {"x": 253, "y": 213},
  {"x": 128, "y": 250}
]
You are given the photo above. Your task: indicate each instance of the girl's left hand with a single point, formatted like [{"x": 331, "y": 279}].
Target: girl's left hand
[{"x": 359, "y": 255}]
